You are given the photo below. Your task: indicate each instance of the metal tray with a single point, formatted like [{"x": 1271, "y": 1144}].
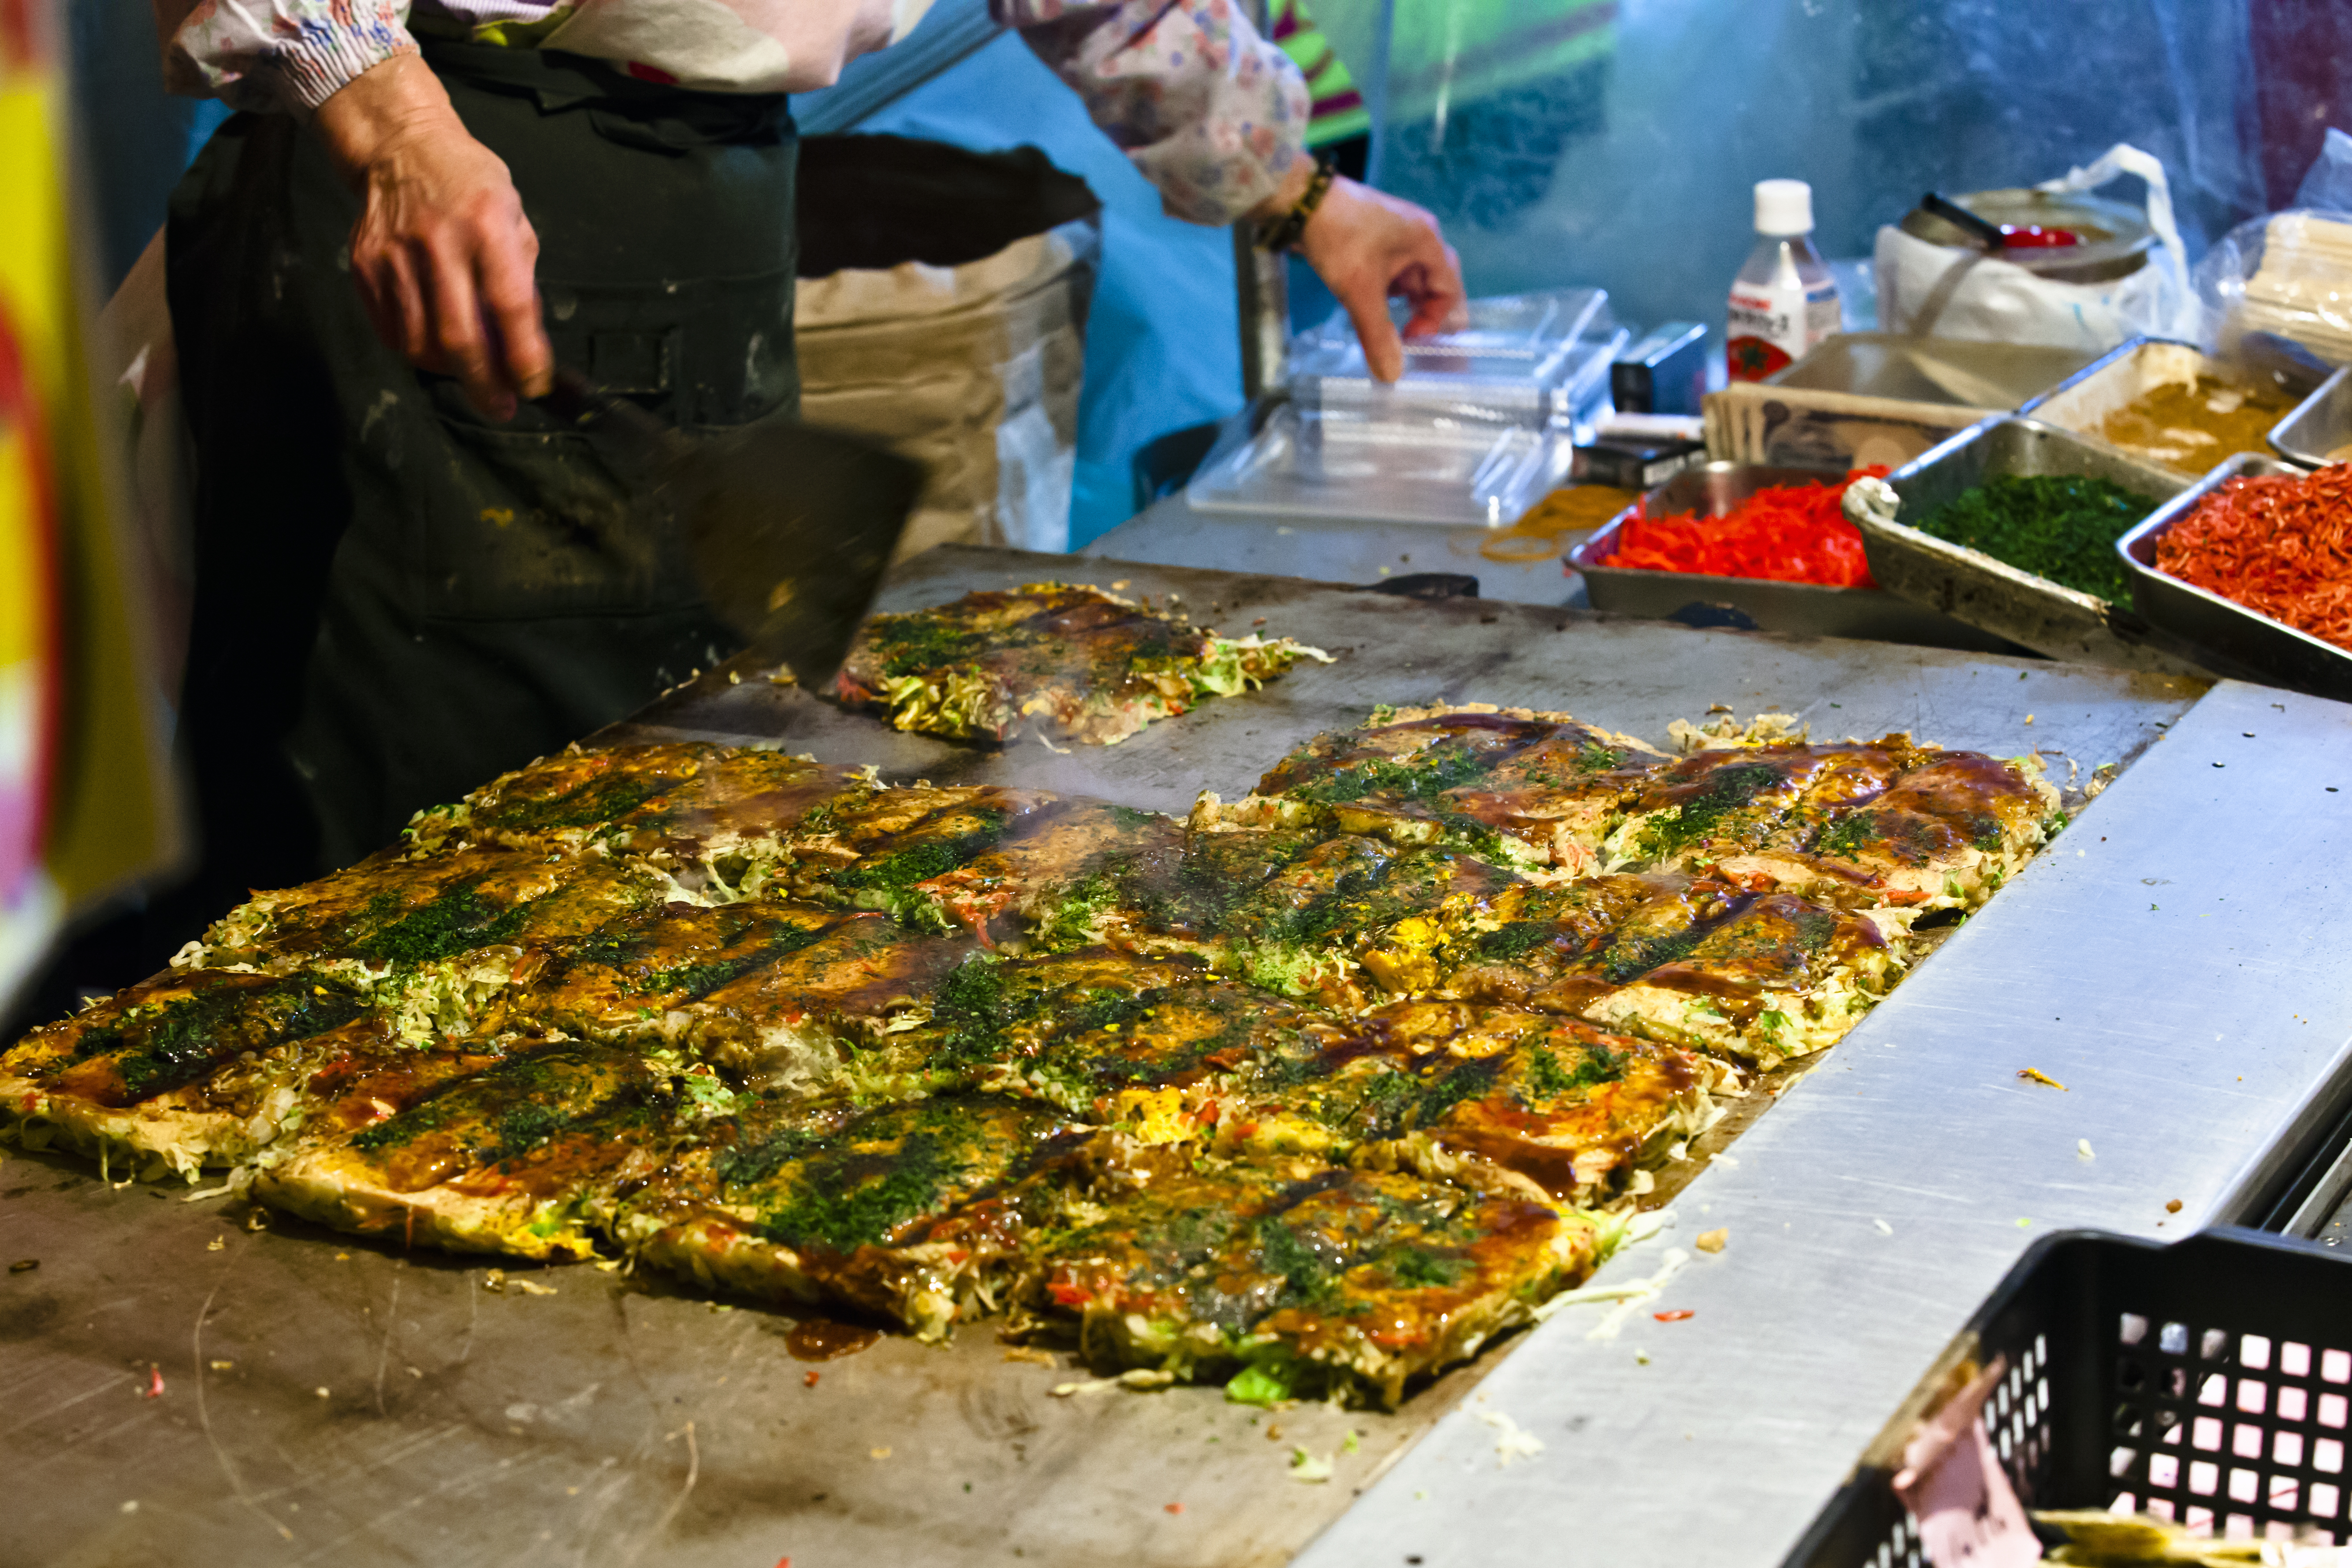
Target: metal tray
[
  {"x": 1956, "y": 371},
  {"x": 2275, "y": 651},
  {"x": 1799, "y": 608},
  {"x": 2320, "y": 425},
  {"x": 1971, "y": 586},
  {"x": 2082, "y": 403}
]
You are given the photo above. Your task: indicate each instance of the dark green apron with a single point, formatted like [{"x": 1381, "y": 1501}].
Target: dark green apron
[{"x": 395, "y": 600}]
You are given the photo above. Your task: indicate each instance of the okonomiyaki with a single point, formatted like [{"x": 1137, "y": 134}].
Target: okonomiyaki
[
  {"x": 1066, "y": 662},
  {"x": 1317, "y": 1092}
]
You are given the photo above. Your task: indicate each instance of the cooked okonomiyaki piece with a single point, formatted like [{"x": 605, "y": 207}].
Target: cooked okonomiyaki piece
[
  {"x": 563, "y": 804},
  {"x": 1176, "y": 897},
  {"x": 784, "y": 994},
  {"x": 1538, "y": 791},
  {"x": 880, "y": 848},
  {"x": 910, "y": 1211},
  {"x": 1383, "y": 1278},
  {"x": 1946, "y": 831},
  {"x": 368, "y": 1079},
  {"x": 386, "y": 912},
  {"x": 183, "y": 1071},
  {"x": 1717, "y": 803},
  {"x": 1496, "y": 1097},
  {"x": 1201, "y": 1060},
  {"x": 520, "y": 1159},
  {"x": 435, "y": 944},
  {"x": 1342, "y": 937},
  {"x": 1530, "y": 935},
  {"x": 991, "y": 1016},
  {"x": 1780, "y": 979},
  {"x": 1561, "y": 966},
  {"x": 1303, "y": 1278},
  {"x": 726, "y": 831},
  {"x": 1947, "y": 834},
  {"x": 1297, "y": 912},
  {"x": 1158, "y": 1047},
  {"x": 1067, "y": 663},
  {"x": 1056, "y": 876}
]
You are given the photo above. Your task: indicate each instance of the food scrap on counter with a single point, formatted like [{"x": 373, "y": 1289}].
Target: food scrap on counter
[{"x": 1574, "y": 510}]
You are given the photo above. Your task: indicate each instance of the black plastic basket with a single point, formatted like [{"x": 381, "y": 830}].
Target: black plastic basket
[{"x": 2209, "y": 1382}]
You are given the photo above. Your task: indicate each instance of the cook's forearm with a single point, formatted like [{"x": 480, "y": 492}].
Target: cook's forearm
[
  {"x": 1210, "y": 113},
  {"x": 397, "y": 99}
]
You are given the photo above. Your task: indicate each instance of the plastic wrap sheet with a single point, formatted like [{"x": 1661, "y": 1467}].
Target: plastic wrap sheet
[
  {"x": 1630, "y": 164},
  {"x": 2290, "y": 274},
  {"x": 1438, "y": 469},
  {"x": 1477, "y": 430}
]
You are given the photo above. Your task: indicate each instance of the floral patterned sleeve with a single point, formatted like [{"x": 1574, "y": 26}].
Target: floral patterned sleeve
[
  {"x": 281, "y": 54},
  {"x": 1210, "y": 112}
]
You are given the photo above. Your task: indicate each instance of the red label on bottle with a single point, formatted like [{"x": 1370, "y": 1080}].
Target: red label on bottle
[
  {"x": 1753, "y": 359},
  {"x": 1768, "y": 325}
]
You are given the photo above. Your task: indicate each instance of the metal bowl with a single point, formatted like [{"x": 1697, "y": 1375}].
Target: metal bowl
[
  {"x": 2270, "y": 649},
  {"x": 2321, "y": 423},
  {"x": 2123, "y": 375},
  {"x": 1748, "y": 603},
  {"x": 2116, "y": 237}
]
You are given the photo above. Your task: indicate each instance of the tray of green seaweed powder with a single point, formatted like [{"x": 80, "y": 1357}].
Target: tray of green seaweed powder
[{"x": 2011, "y": 526}]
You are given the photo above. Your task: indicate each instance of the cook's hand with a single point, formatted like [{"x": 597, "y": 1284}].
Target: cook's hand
[
  {"x": 1366, "y": 247},
  {"x": 441, "y": 254}
]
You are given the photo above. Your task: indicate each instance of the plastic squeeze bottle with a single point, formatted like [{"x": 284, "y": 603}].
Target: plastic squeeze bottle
[{"x": 1784, "y": 300}]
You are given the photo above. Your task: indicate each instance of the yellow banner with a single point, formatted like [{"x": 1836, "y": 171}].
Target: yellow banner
[{"x": 35, "y": 297}]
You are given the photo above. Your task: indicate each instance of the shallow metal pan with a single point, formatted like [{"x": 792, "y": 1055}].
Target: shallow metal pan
[
  {"x": 1972, "y": 587},
  {"x": 2274, "y": 650},
  {"x": 1799, "y": 608},
  {"x": 1956, "y": 371},
  {"x": 2082, "y": 403},
  {"x": 2320, "y": 425}
]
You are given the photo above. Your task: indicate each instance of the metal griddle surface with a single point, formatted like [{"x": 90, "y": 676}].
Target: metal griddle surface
[{"x": 376, "y": 1407}]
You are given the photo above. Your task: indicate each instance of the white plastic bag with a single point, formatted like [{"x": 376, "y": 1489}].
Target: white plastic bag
[
  {"x": 1943, "y": 291},
  {"x": 2327, "y": 185}
]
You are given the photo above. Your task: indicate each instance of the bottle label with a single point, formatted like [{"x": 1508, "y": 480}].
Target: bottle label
[{"x": 1771, "y": 327}]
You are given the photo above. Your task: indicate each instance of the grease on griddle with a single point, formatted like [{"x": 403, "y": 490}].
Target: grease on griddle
[{"x": 824, "y": 1339}]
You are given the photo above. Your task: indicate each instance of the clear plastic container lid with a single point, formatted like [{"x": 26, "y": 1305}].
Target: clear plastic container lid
[
  {"x": 1338, "y": 463},
  {"x": 1531, "y": 359}
]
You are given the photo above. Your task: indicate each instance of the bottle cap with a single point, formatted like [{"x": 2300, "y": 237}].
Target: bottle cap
[{"x": 1784, "y": 208}]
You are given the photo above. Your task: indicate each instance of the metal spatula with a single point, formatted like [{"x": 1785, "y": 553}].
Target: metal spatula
[{"x": 789, "y": 526}]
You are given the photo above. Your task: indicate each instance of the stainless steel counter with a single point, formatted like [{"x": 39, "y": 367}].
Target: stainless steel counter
[
  {"x": 1172, "y": 532},
  {"x": 617, "y": 1422}
]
